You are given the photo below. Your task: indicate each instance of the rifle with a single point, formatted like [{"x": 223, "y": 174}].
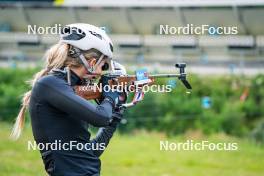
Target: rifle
[{"x": 118, "y": 76}]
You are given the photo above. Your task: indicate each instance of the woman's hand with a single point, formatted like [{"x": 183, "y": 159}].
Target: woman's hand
[{"x": 115, "y": 96}]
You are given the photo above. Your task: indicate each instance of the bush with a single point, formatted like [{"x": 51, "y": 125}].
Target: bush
[
  {"x": 12, "y": 87},
  {"x": 258, "y": 133},
  {"x": 173, "y": 112}
]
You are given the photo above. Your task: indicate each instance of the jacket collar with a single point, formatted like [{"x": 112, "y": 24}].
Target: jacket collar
[{"x": 62, "y": 73}]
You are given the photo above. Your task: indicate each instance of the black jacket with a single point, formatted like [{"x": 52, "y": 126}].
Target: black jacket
[{"x": 58, "y": 114}]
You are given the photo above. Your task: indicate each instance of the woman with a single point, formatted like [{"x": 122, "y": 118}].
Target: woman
[{"x": 59, "y": 115}]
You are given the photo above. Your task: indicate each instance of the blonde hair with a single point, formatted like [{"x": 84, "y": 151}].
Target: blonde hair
[{"x": 56, "y": 57}]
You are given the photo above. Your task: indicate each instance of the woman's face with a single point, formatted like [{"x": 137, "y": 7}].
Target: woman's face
[
  {"x": 98, "y": 69},
  {"x": 83, "y": 73}
]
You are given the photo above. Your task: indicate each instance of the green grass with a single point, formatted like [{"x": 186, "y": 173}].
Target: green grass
[{"x": 139, "y": 154}]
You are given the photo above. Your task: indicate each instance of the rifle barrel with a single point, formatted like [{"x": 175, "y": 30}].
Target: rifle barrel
[
  {"x": 165, "y": 75},
  {"x": 161, "y": 75}
]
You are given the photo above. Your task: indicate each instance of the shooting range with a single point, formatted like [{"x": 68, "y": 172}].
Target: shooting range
[{"x": 203, "y": 61}]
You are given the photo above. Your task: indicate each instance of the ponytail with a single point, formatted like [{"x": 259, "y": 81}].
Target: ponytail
[{"x": 55, "y": 58}]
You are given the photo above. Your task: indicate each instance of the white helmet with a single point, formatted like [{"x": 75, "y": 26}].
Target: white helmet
[{"x": 86, "y": 36}]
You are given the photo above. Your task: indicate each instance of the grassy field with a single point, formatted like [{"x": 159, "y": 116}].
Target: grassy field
[{"x": 139, "y": 154}]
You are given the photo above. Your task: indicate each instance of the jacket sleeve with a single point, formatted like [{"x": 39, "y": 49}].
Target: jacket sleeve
[
  {"x": 105, "y": 134},
  {"x": 59, "y": 94}
]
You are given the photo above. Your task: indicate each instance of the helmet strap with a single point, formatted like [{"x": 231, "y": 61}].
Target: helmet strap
[
  {"x": 68, "y": 75},
  {"x": 77, "y": 53},
  {"x": 85, "y": 63}
]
